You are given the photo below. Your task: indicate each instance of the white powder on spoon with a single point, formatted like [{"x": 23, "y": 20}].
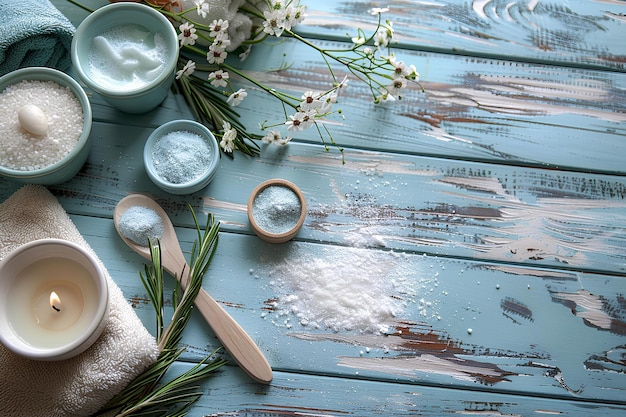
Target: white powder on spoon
[{"x": 343, "y": 289}]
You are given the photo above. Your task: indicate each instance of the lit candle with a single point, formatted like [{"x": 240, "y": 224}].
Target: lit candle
[{"x": 55, "y": 298}]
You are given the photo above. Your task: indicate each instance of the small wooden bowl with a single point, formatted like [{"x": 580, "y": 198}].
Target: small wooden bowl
[{"x": 264, "y": 234}]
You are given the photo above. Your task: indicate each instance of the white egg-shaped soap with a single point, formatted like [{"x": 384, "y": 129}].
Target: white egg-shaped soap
[{"x": 33, "y": 119}]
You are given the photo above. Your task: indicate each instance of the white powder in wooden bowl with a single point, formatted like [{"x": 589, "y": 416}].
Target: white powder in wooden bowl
[
  {"x": 359, "y": 290},
  {"x": 23, "y": 151}
]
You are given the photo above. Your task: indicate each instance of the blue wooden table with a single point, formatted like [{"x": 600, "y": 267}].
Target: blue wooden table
[{"x": 495, "y": 201}]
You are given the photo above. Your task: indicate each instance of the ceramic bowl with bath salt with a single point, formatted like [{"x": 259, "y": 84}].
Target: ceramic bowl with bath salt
[
  {"x": 54, "y": 300},
  {"x": 276, "y": 210},
  {"x": 45, "y": 120},
  {"x": 127, "y": 53},
  {"x": 181, "y": 156}
]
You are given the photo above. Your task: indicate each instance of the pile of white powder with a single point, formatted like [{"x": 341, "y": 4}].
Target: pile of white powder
[
  {"x": 345, "y": 289},
  {"x": 24, "y": 151}
]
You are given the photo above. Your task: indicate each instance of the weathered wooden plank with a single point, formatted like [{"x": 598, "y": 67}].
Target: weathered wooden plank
[
  {"x": 473, "y": 108},
  {"x": 398, "y": 202},
  {"x": 538, "y": 332},
  {"x": 530, "y": 259},
  {"x": 231, "y": 394},
  {"x": 580, "y": 33}
]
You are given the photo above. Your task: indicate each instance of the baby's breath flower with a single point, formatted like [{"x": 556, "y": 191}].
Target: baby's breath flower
[
  {"x": 327, "y": 105},
  {"x": 221, "y": 41},
  {"x": 296, "y": 122},
  {"x": 271, "y": 136},
  {"x": 396, "y": 87},
  {"x": 187, "y": 34},
  {"x": 216, "y": 55},
  {"x": 283, "y": 141},
  {"x": 228, "y": 138},
  {"x": 219, "y": 78},
  {"x": 400, "y": 70},
  {"x": 237, "y": 97},
  {"x": 218, "y": 26},
  {"x": 274, "y": 23},
  {"x": 202, "y": 8},
  {"x": 308, "y": 119},
  {"x": 310, "y": 101},
  {"x": 275, "y": 138},
  {"x": 384, "y": 96},
  {"x": 379, "y": 10},
  {"x": 343, "y": 84},
  {"x": 359, "y": 40},
  {"x": 381, "y": 40},
  {"x": 412, "y": 73},
  {"x": 293, "y": 14},
  {"x": 186, "y": 70},
  {"x": 276, "y": 5}
]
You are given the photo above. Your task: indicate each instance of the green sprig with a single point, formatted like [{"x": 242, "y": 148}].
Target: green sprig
[{"x": 146, "y": 395}]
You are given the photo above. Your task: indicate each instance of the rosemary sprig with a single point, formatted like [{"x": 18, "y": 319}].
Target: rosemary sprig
[
  {"x": 209, "y": 107},
  {"x": 146, "y": 395}
]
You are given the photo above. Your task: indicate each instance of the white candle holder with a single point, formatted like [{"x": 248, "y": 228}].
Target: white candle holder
[{"x": 54, "y": 300}]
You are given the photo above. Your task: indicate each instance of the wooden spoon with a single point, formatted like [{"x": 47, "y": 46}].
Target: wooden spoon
[{"x": 232, "y": 336}]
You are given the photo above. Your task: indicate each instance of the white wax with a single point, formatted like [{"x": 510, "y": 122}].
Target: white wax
[
  {"x": 127, "y": 57},
  {"x": 29, "y": 311}
]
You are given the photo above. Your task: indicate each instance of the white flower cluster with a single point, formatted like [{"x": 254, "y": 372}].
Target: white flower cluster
[
  {"x": 368, "y": 59},
  {"x": 282, "y": 15},
  {"x": 400, "y": 72},
  {"x": 313, "y": 108}
]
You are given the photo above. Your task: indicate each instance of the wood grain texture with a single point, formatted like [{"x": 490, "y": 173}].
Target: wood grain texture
[
  {"x": 391, "y": 201},
  {"x": 579, "y": 33},
  {"x": 311, "y": 396},
  {"x": 473, "y": 108},
  {"x": 534, "y": 331},
  {"x": 488, "y": 213}
]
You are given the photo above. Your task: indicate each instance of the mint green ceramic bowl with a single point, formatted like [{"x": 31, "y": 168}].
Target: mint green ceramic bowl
[
  {"x": 209, "y": 170},
  {"x": 69, "y": 165},
  {"x": 124, "y": 42}
]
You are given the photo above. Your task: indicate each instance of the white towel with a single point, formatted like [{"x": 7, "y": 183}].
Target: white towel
[{"x": 81, "y": 385}]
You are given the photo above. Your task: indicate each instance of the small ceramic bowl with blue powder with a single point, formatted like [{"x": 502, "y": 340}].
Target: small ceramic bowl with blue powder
[
  {"x": 276, "y": 210},
  {"x": 181, "y": 156}
]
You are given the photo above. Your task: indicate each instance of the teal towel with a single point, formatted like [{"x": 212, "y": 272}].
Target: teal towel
[{"x": 33, "y": 33}]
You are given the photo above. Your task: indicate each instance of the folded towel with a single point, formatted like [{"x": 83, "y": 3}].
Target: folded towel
[
  {"x": 81, "y": 385},
  {"x": 33, "y": 33}
]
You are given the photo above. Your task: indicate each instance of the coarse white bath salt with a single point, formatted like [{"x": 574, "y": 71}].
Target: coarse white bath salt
[
  {"x": 25, "y": 151},
  {"x": 350, "y": 289}
]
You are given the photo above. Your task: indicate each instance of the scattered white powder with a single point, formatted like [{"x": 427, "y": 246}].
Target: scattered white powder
[
  {"x": 181, "y": 156},
  {"x": 127, "y": 57},
  {"x": 141, "y": 225},
  {"x": 21, "y": 150},
  {"x": 351, "y": 289}
]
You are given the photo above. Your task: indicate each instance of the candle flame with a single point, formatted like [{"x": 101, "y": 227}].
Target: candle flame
[{"x": 55, "y": 301}]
